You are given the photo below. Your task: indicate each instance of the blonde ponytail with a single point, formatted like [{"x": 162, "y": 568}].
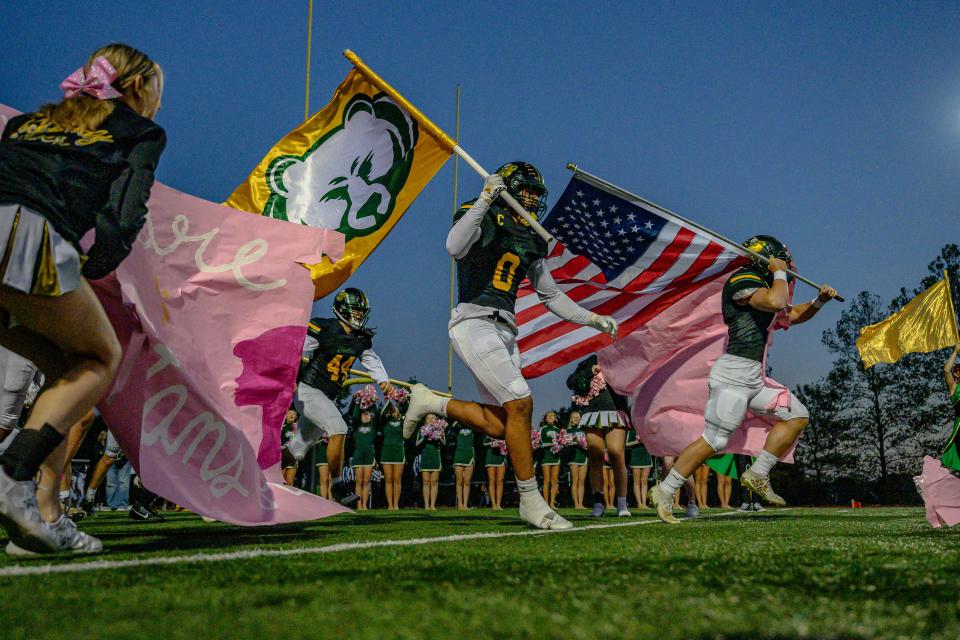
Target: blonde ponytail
[{"x": 86, "y": 113}]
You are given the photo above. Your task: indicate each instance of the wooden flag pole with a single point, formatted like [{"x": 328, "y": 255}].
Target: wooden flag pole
[
  {"x": 600, "y": 183},
  {"x": 362, "y": 377},
  {"x": 446, "y": 140}
]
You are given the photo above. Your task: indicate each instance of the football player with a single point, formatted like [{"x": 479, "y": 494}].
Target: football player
[
  {"x": 331, "y": 347},
  {"x": 495, "y": 250},
  {"x": 751, "y": 299}
]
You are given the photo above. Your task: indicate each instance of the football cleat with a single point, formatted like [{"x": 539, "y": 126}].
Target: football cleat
[
  {"x": 663, "y": 503},
  {"x": 69, "y": 539},
  {"x": 760, "y": 485},
  {"x": 692, "y": 511},
  {"x": 599, "y": 510},
  {"x": 297, "y": 447},
  {"x": 421, "y": 402},
  {"x": 340, "y": 493},
  {"x": 20, "y": 516},
  {"x": 538, "y": 513}
]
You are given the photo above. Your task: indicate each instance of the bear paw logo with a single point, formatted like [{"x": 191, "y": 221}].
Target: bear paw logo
[{"x": 350, "y": 178}]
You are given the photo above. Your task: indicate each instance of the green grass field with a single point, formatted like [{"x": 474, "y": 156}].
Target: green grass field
[{"x": 796, "y": 573}]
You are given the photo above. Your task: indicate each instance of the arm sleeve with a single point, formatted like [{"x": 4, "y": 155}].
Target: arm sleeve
[
  {"x": 309, "y": 346},
  {"x": 119, "y": 222},
  {"x": 467, "y": 229},
  {"x": 556, "y": 301},
  {"x": 372, "y": 363}
]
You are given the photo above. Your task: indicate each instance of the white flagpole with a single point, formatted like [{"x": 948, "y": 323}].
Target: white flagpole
[{"x": 600, "y": 183}]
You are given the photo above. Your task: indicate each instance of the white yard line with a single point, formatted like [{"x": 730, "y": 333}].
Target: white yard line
[{"x": 99, "y": 565}]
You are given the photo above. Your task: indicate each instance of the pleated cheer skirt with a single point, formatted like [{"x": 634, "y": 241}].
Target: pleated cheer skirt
[{"x": 35, "y": 259}]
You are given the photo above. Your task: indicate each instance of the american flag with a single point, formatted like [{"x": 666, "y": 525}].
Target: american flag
[{"x": 615, "y": 255}]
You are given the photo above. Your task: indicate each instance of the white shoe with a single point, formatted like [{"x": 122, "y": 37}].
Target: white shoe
[
  {"x": 623, "y": 513},
  {"x": 69, "y": 540},
  {"x": 21, "y": 518},
  {"x": 421, "y": 402},
  {"x": 297, "y": 447},
  {"x": 539, "y": 514},
  {"x": 693, "y": 511},
  {"x": 663, "y": 503},
  {"x": 760, "y": 485}
]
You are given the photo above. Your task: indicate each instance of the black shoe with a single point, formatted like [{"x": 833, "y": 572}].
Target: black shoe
[
  {"x": 87, "y": 506},
  {"x": 343, "y": 495},
  {"x": 142, "y": 514}
]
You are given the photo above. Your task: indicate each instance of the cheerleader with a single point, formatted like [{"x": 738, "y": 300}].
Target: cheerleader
[
  {"x": 606, "y": 424},
  {"x": 392, "y": 453},
  {"x": 549, "y": 430},
  {"x": 951, "y": 376},
  {"x": 701, "y": 478},
  {"x": 463, "y": 464},
  {"x": 86, "y": 162},
  {"x": 288, "y": 464},
  {"x": 640, "y": 465},
  {"x": 725, "y": 468},
  {"x": 496, "y": 464},
  {"x": 578, "y": 465},
  {"x": 609, "y": 484},
  {"x": 432, "y": 437},
  {"x": 364, "y": 456}
]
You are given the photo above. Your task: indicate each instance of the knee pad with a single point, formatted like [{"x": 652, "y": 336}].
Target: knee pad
[{"x": 726, "y": 409}]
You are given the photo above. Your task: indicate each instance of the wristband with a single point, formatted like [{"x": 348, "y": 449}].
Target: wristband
[
  {"x": 817, "y": 303},
  {"x": 780, "y": 275}
]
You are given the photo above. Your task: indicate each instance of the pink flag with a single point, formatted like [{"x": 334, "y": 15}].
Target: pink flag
[
  {"x": 663, "y": 365},
  {"x": 211, "y": 308},
  {"x": 941, "y": 493}
]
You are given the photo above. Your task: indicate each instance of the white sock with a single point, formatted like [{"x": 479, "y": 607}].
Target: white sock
[
  {"x": 65, "y": 495},
  {"x": 672, "y": 483},
  {"x": 528, "y": 487},
  {"x": 622, "y": 503},
  {"x": 764, "y": 463},
  {"x": 91, "y": 494}
]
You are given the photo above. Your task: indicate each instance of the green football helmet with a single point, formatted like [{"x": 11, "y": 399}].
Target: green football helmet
[
  {"x": 769, "y": 247},
  {"x": 526, "y": 185},
  {"x": 352, "y": 308}
]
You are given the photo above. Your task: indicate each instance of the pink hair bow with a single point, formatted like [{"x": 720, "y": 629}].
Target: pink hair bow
[{"x": 95, "y": 81}]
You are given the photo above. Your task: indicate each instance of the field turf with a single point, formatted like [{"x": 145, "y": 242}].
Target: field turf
[{"x": 795, "y": 573}]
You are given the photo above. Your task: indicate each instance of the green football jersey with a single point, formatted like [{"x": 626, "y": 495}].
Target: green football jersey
[
  {"x": 747, "y": 327},
  {"x": 491, "y": 272}
]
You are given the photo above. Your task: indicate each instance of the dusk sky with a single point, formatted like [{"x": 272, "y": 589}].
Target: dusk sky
[{"x": 834, "y": 126}]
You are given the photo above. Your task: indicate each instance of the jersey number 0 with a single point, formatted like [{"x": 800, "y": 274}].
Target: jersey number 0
[{"x": 505, "y": 271}]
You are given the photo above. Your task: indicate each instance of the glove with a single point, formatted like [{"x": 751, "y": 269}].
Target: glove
[
  {"x": 606, "y": 324},
  {"x": 493, "y": 186}
]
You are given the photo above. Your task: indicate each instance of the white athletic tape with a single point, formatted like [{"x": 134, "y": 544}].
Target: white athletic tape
[{"x": 98, "y": 565}]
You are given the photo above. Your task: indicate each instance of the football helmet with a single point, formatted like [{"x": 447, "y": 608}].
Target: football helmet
[
  {"x": 526, "y": 185},
  {"x": 769, "y": 247},
  {"x": 352, "y": 308}
]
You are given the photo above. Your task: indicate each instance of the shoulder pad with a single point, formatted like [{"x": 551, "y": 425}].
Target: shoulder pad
[{"x": 747, "y": 276}]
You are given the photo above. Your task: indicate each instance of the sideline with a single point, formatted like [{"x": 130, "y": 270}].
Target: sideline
[{"x": 101, "y": 565}]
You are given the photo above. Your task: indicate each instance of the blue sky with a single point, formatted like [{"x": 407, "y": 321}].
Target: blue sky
[{"x": 835, "y": 126}]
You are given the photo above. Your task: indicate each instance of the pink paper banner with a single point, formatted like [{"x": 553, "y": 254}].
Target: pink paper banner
[
  {"x": 211, "y": 309},
  {"x": 941, "y": 493}
]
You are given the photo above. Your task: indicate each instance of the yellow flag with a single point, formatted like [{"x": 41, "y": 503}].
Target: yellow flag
[
  {"x": 355, "y": 166},
  {"x": 926, "y": 323}
]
